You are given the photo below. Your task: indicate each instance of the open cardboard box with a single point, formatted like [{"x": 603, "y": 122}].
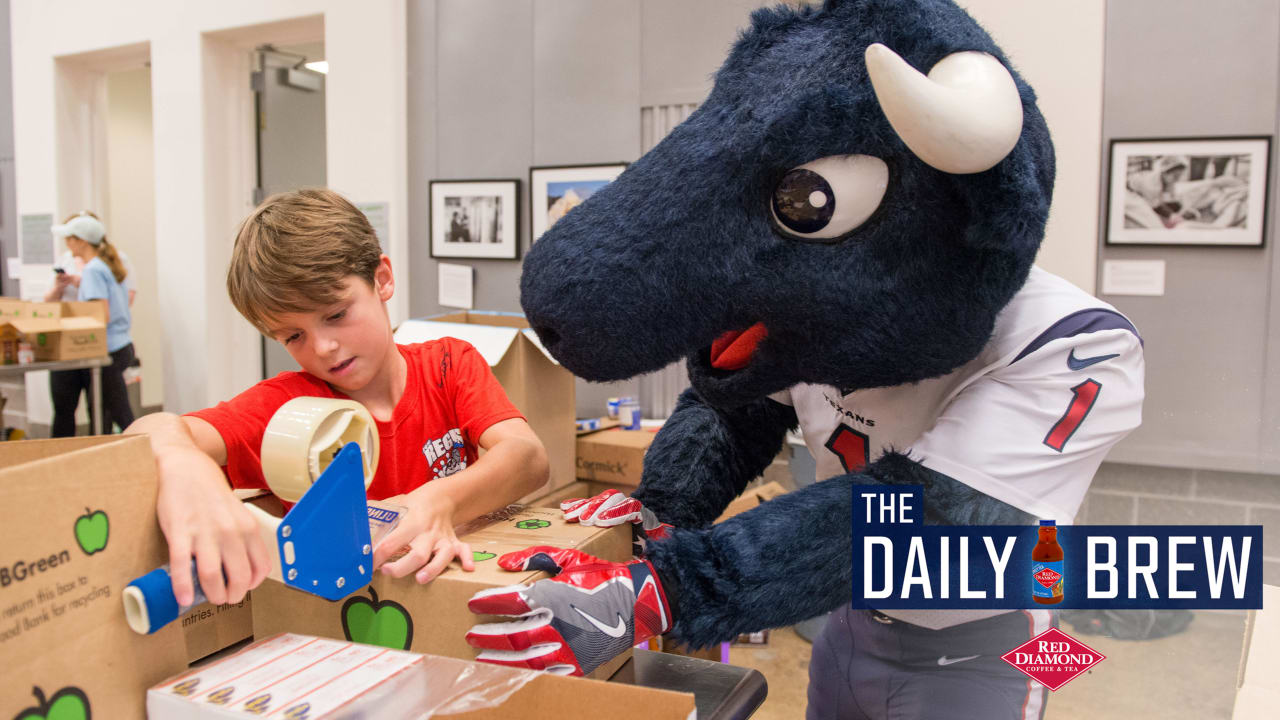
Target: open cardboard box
[
  {"x": 299, "y": 676},
  {"x": 537, "y": 385},
  {"x": 77, "y": 524},
  {"x": 58, "y": 330},
  {"x": 433, "y": 618}
]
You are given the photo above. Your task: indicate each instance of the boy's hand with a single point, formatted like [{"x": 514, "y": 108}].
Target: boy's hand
[
  {"x": 427, "y": 530},
  {"x": 200, "y": 516}
]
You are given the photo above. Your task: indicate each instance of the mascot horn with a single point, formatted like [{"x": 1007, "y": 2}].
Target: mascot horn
[{"x": 840, "y": 239}]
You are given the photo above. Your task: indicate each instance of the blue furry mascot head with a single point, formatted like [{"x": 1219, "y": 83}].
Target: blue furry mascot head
[
  {"x": 840, "y": 240},
  {"x": 791, "y": 206}
]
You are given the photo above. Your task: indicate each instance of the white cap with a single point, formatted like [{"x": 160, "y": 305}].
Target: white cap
[{"x": 85, "y": 227}]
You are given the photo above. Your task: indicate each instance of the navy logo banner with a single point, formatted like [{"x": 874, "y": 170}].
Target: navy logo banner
[{"x": 898, "y": 562}]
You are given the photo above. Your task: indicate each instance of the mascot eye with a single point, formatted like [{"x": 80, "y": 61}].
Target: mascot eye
[{"x": 826, "y": 198}]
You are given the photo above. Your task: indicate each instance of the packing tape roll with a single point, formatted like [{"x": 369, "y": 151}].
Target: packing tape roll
[{"x": 305, "y": 434}]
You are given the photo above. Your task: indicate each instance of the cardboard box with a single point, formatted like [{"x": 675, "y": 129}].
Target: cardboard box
[
  {"x": 58, "y": 331},
  {"x": 614, "y": 457},
  {"x": 1257, "y": 696},
  {"x": 537, "y": 385},
  {"x": 299, "y": 676},
  {"x": 752, "y": 497},
  {"x": 77, "y": 524},
  {"x": 433, "y": 618}
]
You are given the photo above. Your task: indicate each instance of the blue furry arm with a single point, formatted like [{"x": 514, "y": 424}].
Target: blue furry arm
[
  {"x": 790, "y": 559},
  {"x": 703, "y": 457}
]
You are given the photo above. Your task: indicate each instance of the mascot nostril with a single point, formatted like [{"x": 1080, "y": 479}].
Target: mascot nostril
[{"x": 840, "y": 240}]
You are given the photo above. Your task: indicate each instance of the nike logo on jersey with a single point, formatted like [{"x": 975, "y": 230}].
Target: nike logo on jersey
[
  {"x": 1076, "y": 363},
  {"x": 615, "y": 631},
  {"x": 944, "y": 660}
]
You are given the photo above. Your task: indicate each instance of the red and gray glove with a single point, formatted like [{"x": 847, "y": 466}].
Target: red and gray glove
[
  {"x": 571, "y": 624},
  {"x": 611, "y": 508}
]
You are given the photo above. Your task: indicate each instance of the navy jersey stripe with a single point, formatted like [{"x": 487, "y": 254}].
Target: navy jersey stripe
[{"x": 1078, "y": 323}]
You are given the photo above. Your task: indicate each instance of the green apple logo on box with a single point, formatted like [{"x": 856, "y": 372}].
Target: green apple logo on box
[
  {"x": 481, "y": 556},
  {"x": 92, "y": 529},
  {"x": 385, "y": 624},
  {"x": 69, "y": 703}
]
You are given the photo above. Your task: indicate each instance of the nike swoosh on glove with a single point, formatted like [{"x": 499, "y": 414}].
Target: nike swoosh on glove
[
  {"x": 612, "y": 507},
  {"x": 571, "y": 624}
]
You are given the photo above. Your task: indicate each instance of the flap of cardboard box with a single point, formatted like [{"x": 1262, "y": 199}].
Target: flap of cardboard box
[
  {"x": 492, "y": 334},
  {"x": 27, "y": 326},
  {"x": 80, "y": 323},
  {"x": 636, "y": 439}
]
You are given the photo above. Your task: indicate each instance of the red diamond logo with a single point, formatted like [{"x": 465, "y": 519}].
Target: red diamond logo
[
  {"x": 1053, "y": 658},
  {"x": 1047, "y": 577}
]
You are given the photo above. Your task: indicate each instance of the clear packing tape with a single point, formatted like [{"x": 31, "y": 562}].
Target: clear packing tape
[{"x": 317, "y": 678}]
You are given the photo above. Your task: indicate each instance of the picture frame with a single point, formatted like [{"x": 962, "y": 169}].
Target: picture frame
[
  {"x": 556, "y": 189},
  {"x": 1210, "y": 191},
  {"x": 475, "y": 219}
]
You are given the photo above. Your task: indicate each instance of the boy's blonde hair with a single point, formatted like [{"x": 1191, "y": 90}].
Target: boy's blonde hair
[{"x": 295, "y": 250}]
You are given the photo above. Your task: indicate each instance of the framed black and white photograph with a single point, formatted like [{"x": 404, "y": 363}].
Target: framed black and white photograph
[
  {"x": 555, "y": 191},
  {"x": 1188, "y": 191},
  {"x": 475, "y": 219}
]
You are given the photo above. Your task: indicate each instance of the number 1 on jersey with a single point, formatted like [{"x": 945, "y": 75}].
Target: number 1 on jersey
[{"x": 1083, "y": 396}]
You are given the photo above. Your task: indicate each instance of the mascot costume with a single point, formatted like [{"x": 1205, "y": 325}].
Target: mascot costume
[{"x": 840, "y": 239}]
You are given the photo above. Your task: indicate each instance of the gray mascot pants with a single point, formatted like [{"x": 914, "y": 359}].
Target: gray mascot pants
[{"x": 866, "y": 666}]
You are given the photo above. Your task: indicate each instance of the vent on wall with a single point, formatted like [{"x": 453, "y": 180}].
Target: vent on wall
[
  {"x": 658, "y": 120},
  {"x": 659, "y": 390}
]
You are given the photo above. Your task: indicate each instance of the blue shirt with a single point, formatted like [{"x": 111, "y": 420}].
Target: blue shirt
[{"x": 97, "y": 283}]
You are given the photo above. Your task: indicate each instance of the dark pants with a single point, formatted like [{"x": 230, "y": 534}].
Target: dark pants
[
  {"x": 866, "y": 666},
  {"x": 67, "y": 385}
]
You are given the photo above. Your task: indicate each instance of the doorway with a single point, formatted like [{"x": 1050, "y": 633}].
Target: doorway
[{"x": 289, "y": 98}]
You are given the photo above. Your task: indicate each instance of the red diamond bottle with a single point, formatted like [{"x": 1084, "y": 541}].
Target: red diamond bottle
[{"x": 1046, "y": 566}]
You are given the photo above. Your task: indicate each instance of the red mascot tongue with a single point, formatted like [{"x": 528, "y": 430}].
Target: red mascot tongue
[{"x": 732, "y": 350}]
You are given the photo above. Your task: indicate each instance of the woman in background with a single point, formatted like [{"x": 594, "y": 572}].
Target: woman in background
[{"x": 101, "y": 279}]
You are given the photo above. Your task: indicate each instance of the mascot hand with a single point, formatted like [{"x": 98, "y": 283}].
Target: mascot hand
[
  {"x": 614, "y": 508},
  {"x": 571, "y": 624}
]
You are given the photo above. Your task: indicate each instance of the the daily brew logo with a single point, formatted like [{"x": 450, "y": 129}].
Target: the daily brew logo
[
  {"x": 1053, "y": 658},
  {"x": 901, "y": 563}
]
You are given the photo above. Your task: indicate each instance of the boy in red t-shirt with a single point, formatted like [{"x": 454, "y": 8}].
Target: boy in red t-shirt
[{"x": 307, "y": 270}]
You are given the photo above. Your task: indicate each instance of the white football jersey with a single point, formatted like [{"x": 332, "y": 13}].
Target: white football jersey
[{"x": 1028, "y": 421}]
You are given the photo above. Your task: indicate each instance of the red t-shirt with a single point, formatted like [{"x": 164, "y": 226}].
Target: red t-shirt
[{"x": 450, "y": 398}]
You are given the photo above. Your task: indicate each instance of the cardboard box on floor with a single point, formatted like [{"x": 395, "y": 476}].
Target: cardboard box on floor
[
  {"x": 1257, "y": 696},
  {"x": 300, "y": 676},
  {"x": 77, "y": 524},
  {"x": 537, "y": 385},
  {"x": 58, "y": 331},
  {"x": 433, "y": 618}
]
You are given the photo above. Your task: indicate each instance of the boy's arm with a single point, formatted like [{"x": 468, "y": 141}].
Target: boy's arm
[
  {"x": 513, "y": 465},
  {"x": 198, "y": 513}
]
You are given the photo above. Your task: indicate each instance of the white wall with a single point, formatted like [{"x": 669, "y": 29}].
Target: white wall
[
  {"x": 1057, "y": 46},
  {"x": 202, "y": 126},
  {"x": 130, "y": 213}
]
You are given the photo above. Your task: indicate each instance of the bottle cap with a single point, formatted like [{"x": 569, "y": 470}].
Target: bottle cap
[{"x": 1043, "y": 523}]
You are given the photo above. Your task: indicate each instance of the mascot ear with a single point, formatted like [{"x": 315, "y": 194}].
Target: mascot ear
[{"x": 965, "y": 117}]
